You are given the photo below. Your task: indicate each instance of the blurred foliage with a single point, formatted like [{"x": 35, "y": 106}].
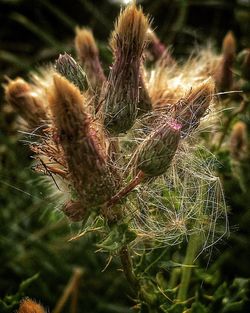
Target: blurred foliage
[{"x": 36, "y": 258}]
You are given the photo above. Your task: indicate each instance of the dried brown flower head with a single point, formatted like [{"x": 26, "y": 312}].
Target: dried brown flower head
[
  {"x": 83, "y": 144},
  {"x": 122, "y": 90},
  {"x": 189, "y": 110},
  {"x": 224, "y": 74},
  {"x": 88, "y": 54},
  {"x": 27, "y": 103},
  {"x": 239, "y": 147},
  {"x": 30, "y": 306}
]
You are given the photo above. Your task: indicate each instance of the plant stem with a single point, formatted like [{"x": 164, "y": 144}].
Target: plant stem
[
  {"x": 127, "y": 189},
  {"x": 69, "y": 289},
  {"x": 193, "y": 245},
  {"x": 175, "y": 273},
  {"x": 128, "y": 268}
]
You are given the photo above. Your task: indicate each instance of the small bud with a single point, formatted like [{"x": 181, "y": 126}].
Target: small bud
[
  {"x": 83, "y": 143},
  {"x": 189, "y": 110},
  {"x": 240, "y": 155},
  {"x": 89, "y": 57},
  {"x": 239, "y": 142},
  {"x": 245, "y": 66},
  {"x": 229, "y": 44},
  {"x": 122, "y": 91},
  {"x": 224, "y": 75},
  {"x": 74, "y": 211},
  {"x": 69, "y": 68},
  {"x": 30, "y": 306},
  {"x": 155, "y": 47},
  {"x": 18, "y": 93},
  {"x": 154, "y": 155}
]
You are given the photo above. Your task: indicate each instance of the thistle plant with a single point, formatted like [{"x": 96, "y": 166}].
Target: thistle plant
[{"x": 127, "y": 152}]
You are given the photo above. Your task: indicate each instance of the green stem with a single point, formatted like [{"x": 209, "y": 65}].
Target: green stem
[
  {"x": 193, "y": 246},
  {"x": 175, "y": 273},
  {"x": 128, "y": 268}
]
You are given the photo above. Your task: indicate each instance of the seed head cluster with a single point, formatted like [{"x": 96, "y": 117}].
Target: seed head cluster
[{"x": 128, "y": 143}]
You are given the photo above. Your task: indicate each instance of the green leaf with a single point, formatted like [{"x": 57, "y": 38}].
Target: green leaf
[
  {"x": 119, "y": 236},
  {"x": 198, "y": 308},
  {"x": 175, "y": 308},
  {"x": 10, "y": 302},
  {"x": 171, "y": 264},
  {"x": 26, "y": 283}
]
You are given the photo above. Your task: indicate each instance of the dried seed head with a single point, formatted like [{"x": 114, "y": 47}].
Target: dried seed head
[
  {"x": 224, "y": 75},
  {"x": 69, "y": 68},
  {"x": 122, "y": 91},
  {"x": 30, "y": 306},
  {"x": 82, "y": 143},
  {"x": 154, "y": 155},
  {"x": 74, "y": 211},
  {"x": 189, "y": 110},
  {"x": 26, "y": 102},
  {"x": 239, "y": 148},
  {"x": 89, "y": 57}
]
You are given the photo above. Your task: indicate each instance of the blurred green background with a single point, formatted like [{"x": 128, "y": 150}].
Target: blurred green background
[{"x": 33, "y": 233}]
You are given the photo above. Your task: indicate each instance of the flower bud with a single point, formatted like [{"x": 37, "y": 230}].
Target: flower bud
[
  {"x": 224, "y": 75},
  {"x": 70, "y": 69},
  {"x": 29, "y": 306},
  {"x": 27, "y": 103},
  {"x": 89, "y": 57},
  {"x": 83, "y": 143},
  {"x": 155, "y": 47},
  {"x": 239, "y": 142},
  {"x": 189, "y": 110},
  {"x": 122, "y": 90},
  {"x": 155, "y": 153},
  {"x": 245, "y": 66}
]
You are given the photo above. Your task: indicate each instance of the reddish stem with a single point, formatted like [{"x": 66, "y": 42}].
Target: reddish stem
[{"x": 122, "y": 193}]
